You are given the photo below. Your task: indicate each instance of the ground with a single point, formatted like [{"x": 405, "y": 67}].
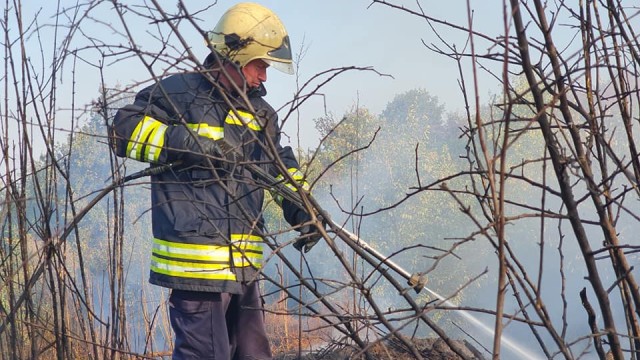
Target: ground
[{"x": 429, "y": 349}]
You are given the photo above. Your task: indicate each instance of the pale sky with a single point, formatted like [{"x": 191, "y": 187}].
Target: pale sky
[
  {"x": 333, "y": 33},
  {"x": 340, "y": 33}
]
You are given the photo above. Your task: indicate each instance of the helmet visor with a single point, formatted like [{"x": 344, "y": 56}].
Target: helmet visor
[{"x": 285, "y": 67}]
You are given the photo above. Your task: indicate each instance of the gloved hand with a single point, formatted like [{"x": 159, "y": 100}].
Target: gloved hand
[
  {"x": 199, "y": 148},
  {"x": 227, "y": 152},
  {"x": 309, "y": 237},
  {"x": 309, "y": 233}
]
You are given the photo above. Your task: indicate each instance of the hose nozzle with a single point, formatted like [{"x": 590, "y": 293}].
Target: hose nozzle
[{"x": 417, "y": 281}]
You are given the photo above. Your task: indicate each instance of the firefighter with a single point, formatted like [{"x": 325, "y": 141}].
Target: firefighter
[{"x": 206, "y": 210}]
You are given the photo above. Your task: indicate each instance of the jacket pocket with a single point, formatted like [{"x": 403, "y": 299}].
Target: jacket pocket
[{"x": 196, "y": 220}]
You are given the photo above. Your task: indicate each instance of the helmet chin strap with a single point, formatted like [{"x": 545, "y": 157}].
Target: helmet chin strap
[{"x": 245, "y": 86}]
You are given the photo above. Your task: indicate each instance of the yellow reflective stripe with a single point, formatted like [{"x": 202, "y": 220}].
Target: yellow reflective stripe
[
  {"x": 280, "y": 178},
  {"x": 298, "y": 176},
  {"x": 188, "y": 266},
  {"x": 206, "y": 130},
  {"x": 244, "y": 261},
  {"x": 148, "y": 136},
  {"x": 247, "y": 237},
  {"x": 246, "y": 242},
  {"x": 245, "y": 254},
  {"x": 246, "y": 250},
  {"x": 195, "y": 271},
  {"x": 133, "y": 146},
  {"x": 184, "y": 246},
  {"x": 243, "y": 118},
  {"x": 221, "y": 255},
  {"x": 247, "y": 259},
  {"x": 218, "y": 253},
  {"x": 295, "y": 173},
  {"x": 238, "y": 246}
]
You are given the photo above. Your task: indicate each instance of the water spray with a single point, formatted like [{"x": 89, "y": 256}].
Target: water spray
[
  {"x": 510, "y": 344},
  {"x": 416, "y": 281}
]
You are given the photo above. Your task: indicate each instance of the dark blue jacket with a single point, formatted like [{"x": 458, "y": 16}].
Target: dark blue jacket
[{"x": 206, "y": 212}]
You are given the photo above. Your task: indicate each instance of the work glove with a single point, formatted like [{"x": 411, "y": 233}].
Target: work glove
[
  {"x": 199, "y": 148},
  {"x": 309, "y": 237},
  {"x": 309, "y": 234}
]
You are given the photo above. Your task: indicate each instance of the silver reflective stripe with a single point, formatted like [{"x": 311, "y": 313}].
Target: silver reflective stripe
[
  {"x": 197, "y": 271},
  {"x": 139, "y": 147},
  {"x": 247, "y": 250}
]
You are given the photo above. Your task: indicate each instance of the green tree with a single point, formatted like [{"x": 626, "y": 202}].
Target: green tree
[{"x": 384, "y": 183}]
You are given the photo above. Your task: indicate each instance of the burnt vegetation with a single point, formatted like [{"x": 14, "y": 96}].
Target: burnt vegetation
[{"x": 521, "y": 209}]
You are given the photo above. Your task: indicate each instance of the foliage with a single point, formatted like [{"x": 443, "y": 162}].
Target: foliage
[{"x": 380, "y": 160}]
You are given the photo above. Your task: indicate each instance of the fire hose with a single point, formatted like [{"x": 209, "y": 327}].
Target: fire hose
[{"x": 416, "y": 281}]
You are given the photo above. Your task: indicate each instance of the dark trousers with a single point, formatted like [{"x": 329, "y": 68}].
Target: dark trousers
[{"x": 219, "y": 326}]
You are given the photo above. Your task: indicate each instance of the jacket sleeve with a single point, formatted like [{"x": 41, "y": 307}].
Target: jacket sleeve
[
  {"x": 148, "y": 131},
  {"x": 292, "y": 213}
]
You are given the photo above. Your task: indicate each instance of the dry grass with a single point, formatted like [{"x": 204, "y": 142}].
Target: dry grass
[{"x": 290, "y": 333}]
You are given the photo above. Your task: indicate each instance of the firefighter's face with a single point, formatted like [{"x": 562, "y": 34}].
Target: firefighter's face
[{"x": 255, "y": 73}]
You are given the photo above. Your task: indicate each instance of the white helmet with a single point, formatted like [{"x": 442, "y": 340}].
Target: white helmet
[{"x": 249, "y": 31}]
